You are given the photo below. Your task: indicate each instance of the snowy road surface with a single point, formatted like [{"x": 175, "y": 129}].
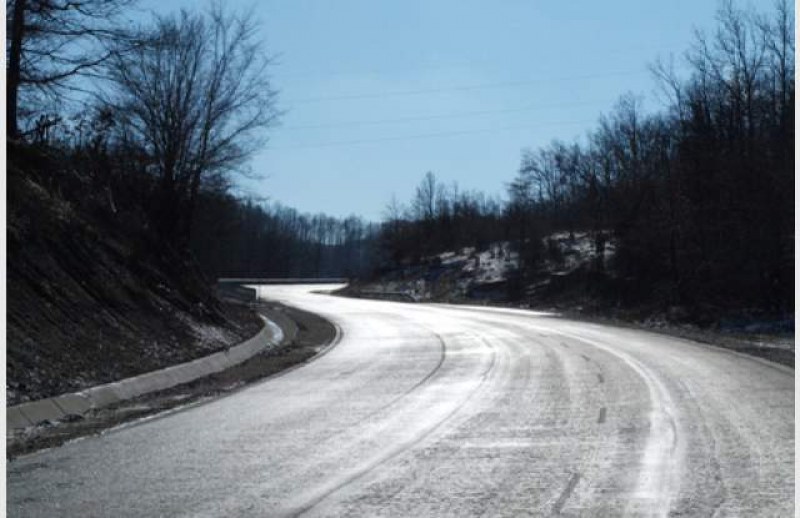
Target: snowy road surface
[{"x": 450, "y": 411}]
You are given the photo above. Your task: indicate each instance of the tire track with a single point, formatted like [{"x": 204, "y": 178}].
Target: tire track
[
  {"x": 658, "y": 474},
  {"x": 417, "y": 385},
  {"x": 400, "y": 448},
  {"x": 658, "y": 481},
  {"x": 562, "y": 499}
]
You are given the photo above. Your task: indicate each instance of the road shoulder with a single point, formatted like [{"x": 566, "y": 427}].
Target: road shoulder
[{"x": 309, "y": 336}]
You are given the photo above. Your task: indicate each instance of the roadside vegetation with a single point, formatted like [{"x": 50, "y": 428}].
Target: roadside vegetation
[
  {"x": 688, "y": 211},
  {"x": 125, "y": 143},
  {"x": 126, "y": 140}
]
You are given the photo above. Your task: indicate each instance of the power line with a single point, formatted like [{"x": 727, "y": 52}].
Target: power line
[
  {"x": 425, "y": 135},
  {"x": 463, "y": 88},
  {"x": 453, "y": 115},
  {"x": 465, "y": 63}
]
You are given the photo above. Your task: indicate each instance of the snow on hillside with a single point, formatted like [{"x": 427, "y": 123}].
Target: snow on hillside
[
  {"x": 468, "y": 273},
  {"x": 568, "y": 251},
  {"x": 492, "y": 265}
]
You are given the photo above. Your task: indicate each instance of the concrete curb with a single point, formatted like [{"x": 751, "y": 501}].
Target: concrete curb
[{"x": 78, "y": 403}]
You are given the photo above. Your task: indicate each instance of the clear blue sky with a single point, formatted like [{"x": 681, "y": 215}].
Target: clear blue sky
[{"x": 379, "y": 92}]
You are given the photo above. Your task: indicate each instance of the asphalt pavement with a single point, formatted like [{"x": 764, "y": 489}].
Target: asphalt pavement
[{"x": 435, "y": 410}]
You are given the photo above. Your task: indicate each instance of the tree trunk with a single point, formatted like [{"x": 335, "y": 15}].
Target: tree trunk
[
  {"x": 14, "y": 64},
  {"x": 167, "y": 212},
  {"x": 185, "y": 230}
]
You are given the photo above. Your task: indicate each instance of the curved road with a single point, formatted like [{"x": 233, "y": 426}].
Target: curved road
[{"x": 428, "y": 410}]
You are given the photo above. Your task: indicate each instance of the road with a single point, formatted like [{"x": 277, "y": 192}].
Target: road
[{"x": 434, "y": 410}]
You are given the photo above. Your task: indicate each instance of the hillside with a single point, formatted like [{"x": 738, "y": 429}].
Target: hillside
[
  {"x": 492, "y": 274},
  {"x": 90, "y": 297},
  {"x": 572, "y": 279}
]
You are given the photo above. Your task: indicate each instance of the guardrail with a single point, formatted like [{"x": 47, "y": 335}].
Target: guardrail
[
  {"x": 237, "y": 292},
  {"x": 278, "y": 280},
  {"x": 397, "y": 296}
]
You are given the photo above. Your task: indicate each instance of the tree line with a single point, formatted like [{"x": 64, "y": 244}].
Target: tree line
[
  {"x": 697, "y": 196},
  {"x": 438, "y": 218},
  {"x": 177, "y": 104},
  {"x": 245, "y": 238},
  {"x": 161, "y": 117}
]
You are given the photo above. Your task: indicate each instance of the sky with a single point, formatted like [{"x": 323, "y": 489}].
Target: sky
[{"x": 376, "y": 93}]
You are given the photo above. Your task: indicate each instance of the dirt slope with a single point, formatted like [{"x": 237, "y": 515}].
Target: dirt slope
[{"x": 90, "y": 299}]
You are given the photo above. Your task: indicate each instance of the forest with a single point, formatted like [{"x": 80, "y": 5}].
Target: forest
[
  {"x": 698, "y": 197},
  {"x": 161, "y": 119}
]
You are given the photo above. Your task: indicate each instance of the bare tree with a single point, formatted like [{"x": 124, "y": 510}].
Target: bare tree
[
  {"x": 197, "y": 95},
  {"x": 51, "y": 42},
  {"x": 425, "y": 198}
]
